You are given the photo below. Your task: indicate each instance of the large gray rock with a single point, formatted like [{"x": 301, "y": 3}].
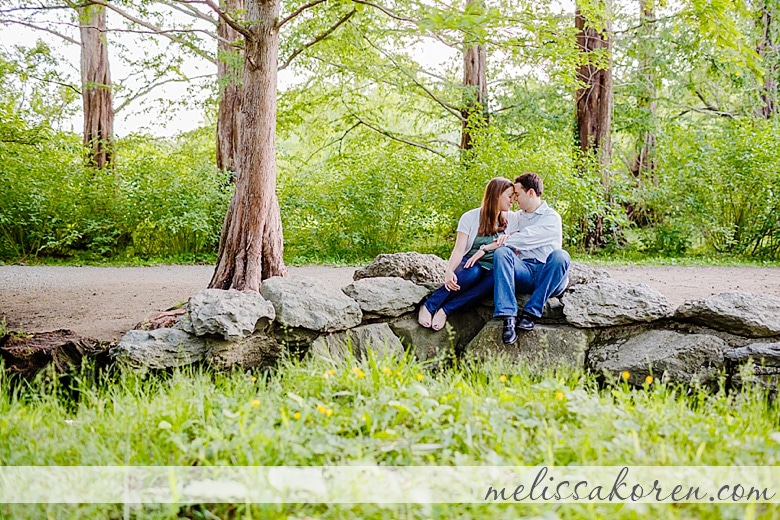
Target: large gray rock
[
  {"x": 386, "y": 296},
  {"x": 582, "y": 274},
  {"x": 230, "y": 314},
  {"x": 428, "y": 344},
  {"x": 762, "y": 361},
  {"x": 544, "y": 347},
  {"x": 747, "y": 314},
  {"x": 674, "y": 357},
  {"x": 159, "y": 348},
  {"x": 425, "y": 270},
  {"x": 608, "y": 302},
  {"x": 551, "y": 313},
  {"x": 258, "y": 350},
  {"x": 377, "y": 337},
  {"x": 765, "y": 354},
  {"x": 303, "y": 303}
]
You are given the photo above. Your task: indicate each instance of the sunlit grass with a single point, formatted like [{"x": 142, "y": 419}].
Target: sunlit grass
[{"x": 388, "y": 411}]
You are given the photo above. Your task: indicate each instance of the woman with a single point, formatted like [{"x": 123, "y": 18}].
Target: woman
[{"x": 469, "y": 278}]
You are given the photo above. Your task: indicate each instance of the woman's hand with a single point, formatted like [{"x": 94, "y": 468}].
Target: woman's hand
[
  {"x": 474, "y": 258},
  {"x": 451, "y": 281}
]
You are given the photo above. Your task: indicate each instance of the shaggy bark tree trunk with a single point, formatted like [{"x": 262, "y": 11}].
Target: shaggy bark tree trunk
[
  {"x": 96, "y": 86},
  {"x": 767, "y": 49},
  {"x": 594, "y": 104},
  {"x": 475, "y": 92},
  {"x": 251, "y": 244},
  {"x": 229, "y": 76},
  {"x": 594, "y": 99}
]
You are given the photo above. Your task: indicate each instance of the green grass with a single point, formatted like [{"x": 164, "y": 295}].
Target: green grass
[{"x": 389, "y": 412}]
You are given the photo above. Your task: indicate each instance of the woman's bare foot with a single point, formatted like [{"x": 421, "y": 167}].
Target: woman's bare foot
[
  {"x": 439, "y": 319},
  {"x": 424, "y": 317}
]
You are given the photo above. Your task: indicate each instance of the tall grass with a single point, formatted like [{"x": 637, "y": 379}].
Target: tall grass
[{"x": 388, "y": 412}]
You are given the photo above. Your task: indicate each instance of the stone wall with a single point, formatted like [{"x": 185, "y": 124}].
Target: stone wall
[{"x": 601, "y": 324}]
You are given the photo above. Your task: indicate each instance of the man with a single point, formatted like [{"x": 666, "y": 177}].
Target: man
[{"x": 531, "y": 260}]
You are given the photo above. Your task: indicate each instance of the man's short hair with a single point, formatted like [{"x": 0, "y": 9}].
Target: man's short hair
[{"x": 531, "y": 180}]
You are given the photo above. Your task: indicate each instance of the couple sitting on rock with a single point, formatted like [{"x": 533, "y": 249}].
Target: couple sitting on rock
[{"x": 502, "y": 251}]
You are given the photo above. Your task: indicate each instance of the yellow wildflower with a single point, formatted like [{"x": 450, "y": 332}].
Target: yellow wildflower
[
  {"x": 625, "y": 375},
  {"x": 255, "y": 403},
  {"x": 358, "y": 372},
  {"x": 559, "y": 396},
  {"x": 649, "y": 380},
  {"x": 324, "y": 410},
  {"x": 254, "y": 379},
  {"x": 297, "y": 415},
  {"x": 502, "y": 378},
  {"x": 420, "y": 377},
  {"x": 387, "y": 371}
]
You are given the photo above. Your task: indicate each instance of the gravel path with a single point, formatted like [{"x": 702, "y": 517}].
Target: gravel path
[{"x": 105, "y": 302}]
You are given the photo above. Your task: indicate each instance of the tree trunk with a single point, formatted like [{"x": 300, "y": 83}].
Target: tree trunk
[
  {"x": 229, "y": 76},
  {"x": 251, "y": 244},
  {"x": 767, "y": 49},
  {"x": 594, "y": 99},
  {"x": 474, "y": 110},
  {"x": 644, "y": 158},
  {"x": 594, "y": 104},
  {"x": 96, "y": 85}
]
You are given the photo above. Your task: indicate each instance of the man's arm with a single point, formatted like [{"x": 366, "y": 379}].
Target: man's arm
[{"x": 546, "y": 231}]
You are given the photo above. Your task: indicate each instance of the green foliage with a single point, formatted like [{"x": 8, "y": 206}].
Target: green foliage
[
  {"x": 160, "y": 199},
  {"x": 376, "y": 197},
  {"x": 387, "y": 411},
  {"x": 721, "y": 183}
]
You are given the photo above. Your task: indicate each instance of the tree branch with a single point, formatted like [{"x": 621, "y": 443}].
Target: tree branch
[
  {"x": 191, "y": 11},
  {"x": 339, "y": 140},
  {"x": 449, "y": 108},
  {"x": 710, "y": 107},
  {"x": 144, "y": 91},
  {"x": 240, "y": 29},
  {"x": 60, "y": 83},
  {"x": 38, "y": 28},
  {"x": 318, "y": 38},
  {"x": 161, "y": 32},
  {"x": 399, "y": 139},
  {"x": 387, "y": 11},
  {"x": 297, "y": 12}
]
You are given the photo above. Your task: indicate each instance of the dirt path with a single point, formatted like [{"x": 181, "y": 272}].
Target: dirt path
[{"x": 105, "y": 302}]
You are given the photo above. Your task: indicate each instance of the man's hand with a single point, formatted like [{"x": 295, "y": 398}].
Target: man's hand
[
  {"x": 500, "y": 240},
  {"x": 451, "y": 281}
]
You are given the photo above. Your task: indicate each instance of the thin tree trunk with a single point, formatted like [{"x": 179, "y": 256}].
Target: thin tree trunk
[
  {"x": 644, "y": 159},
  {"x": 96, "y": 85},
  {"x": 475, "y": 91},
  {"x": 229, "y": 73},
  {"x": 594, "y": 105},
  {"x": 251, "y": 244},
  {"x": 767, "y": 49}
]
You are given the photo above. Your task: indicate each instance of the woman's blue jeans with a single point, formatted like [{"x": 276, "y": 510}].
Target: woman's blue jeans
[{"x": 476, "y": 283}]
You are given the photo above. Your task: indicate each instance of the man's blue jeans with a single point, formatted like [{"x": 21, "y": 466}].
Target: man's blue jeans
[
  {"x": 476, "y": 283},
  {"x": 539, "y": 279}
]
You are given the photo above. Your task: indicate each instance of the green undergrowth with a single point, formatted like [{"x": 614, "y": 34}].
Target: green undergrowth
[{"x": 386, "y": 411}]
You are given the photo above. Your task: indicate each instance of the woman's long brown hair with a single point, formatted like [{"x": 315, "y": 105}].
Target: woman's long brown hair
[{"x": 491, "y": 221}]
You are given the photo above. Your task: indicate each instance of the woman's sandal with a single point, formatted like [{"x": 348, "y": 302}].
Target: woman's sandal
[
  {"x": 439, "y": 319},
  {"x": 424, "y": 317}
]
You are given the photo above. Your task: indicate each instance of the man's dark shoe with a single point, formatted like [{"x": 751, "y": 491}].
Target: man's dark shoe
[
  {"x": 526, "y": 322},
  {"x": 509, "y": 335}
]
